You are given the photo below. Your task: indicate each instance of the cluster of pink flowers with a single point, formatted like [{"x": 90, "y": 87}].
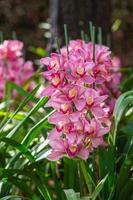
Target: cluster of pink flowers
[
  {"x": 13, "y": 66},
  {"x": 79, "y": 91}
]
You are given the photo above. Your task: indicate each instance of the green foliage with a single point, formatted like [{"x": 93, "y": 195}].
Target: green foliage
[
  {"x": 25, "y": 173},
  {"x": 38, "y": 51}
]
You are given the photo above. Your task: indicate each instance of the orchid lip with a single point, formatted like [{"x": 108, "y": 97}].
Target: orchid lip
[
  {"x": 60, "y": 126},
  {"x": 64, "y": 108},
  {"x": 80, "y": 71},
  {"x": 90, "y": 101},
  {"x": 55, "y": 81},
  {"x": 59, "y": 129},
  {"x": 72, "y": 93},
  {"x": 72, "y": 150}
]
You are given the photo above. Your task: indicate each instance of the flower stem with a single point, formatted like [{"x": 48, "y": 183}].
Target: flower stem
[
  {"x": 82, "y": 35},
  {"x": 14, "y": 35},
  {"x": 57, "y": 45},
  {"x": 1, "y": 37},
  {"x": 100, "y": 36},
  {"x": 93, "y": 41},
  {"x": 91, "y": 30},
  {"x": 66, "y": 39}
]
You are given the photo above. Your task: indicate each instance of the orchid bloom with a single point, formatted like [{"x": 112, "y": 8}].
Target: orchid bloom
[
  {"x": 79, "y": 91},
  {"x": 13, "y": 67}
]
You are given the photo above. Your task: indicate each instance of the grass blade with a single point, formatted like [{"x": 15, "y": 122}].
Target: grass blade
[
  {"x": 99, "y": 188},
  {"x": 29, "y": 97},
  {"x": 40, "y": 103},
  {"x": 34, "y": 131}
]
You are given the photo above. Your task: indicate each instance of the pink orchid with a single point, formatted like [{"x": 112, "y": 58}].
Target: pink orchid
[
  {"x": 55, "y": 62},
  {"x": 60, "y": 102},
  {"x": 11, "y": 49},
  {"x": 94, "y": 102},
  {"x": 70, "y": 146},
  {"x": 13, "y": 67},
  {"x": 80, "y": 71},
  {"x": 82, "y": 92}
]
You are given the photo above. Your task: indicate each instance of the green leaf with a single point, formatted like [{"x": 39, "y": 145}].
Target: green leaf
[
  {"x": 127, "y": 191},
  {"x": 99, "y": 188},
  {"x": 12, "y": 86},
  {"x": 88, "y": 179},
  {"x": 59, "y": 192},
  {"x": 78, "y": 195},
  {"x": 35, "y": 130},
  {"x": 124, "y": 172},
  {"x": 40, "y": 103},
  {"x": 121, "y": 105},
  {"x": 38, "y": 51},
  {"x": 69, "y": 173},
  {"x": 21, "y": 184},
  {"x": 127, "y": 84},
  {"x": 128, "y": 129},
  {"x": 85, "y": 198},
  {"x": 11, "y": 175},
  {"x": 70, "y": 194},
  {"x": 12, "y": 197},
  {"x": 18, "y": 116},
  {"x": 8, "y": 173},
  {"x": 43, "y": 154},
  {"x": 29, "y": 97},
  {"x": 18, "y": 146}
]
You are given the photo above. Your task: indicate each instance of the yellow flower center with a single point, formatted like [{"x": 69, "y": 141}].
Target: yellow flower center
[
  {"x": 60, "y": 125},
  {"x": 80, "y": 70},
  {"x": 72, "y": 93},
  {"x": 90, "y": 101},
  {"x": 77, "y": 47},
  {"x": 56, "y": 80},
  {"x": 72, "y": 148},
  {"x": 64, "y": 107}
]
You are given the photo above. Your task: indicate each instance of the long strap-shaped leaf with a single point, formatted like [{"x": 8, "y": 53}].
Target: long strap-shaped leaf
[
  {"x": 12, "y": 86},
  {"x": 23, "y": 149},
  {"x": 18, "y": 146},
  {"x": 15, "y": 197},
  {"x": 40, "y": 103},
  {"x": 29, "y": 97},
  {"x": 121, "y": 104},
  {"x": 88, "y": 179},
  {"x": 98, "y": 188},
  {"x": 34, "y": 131},
  {"x": 70, "y": 194},
  {"x": 24, "y": 187},
  {"x": 124, "y": 172}
]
